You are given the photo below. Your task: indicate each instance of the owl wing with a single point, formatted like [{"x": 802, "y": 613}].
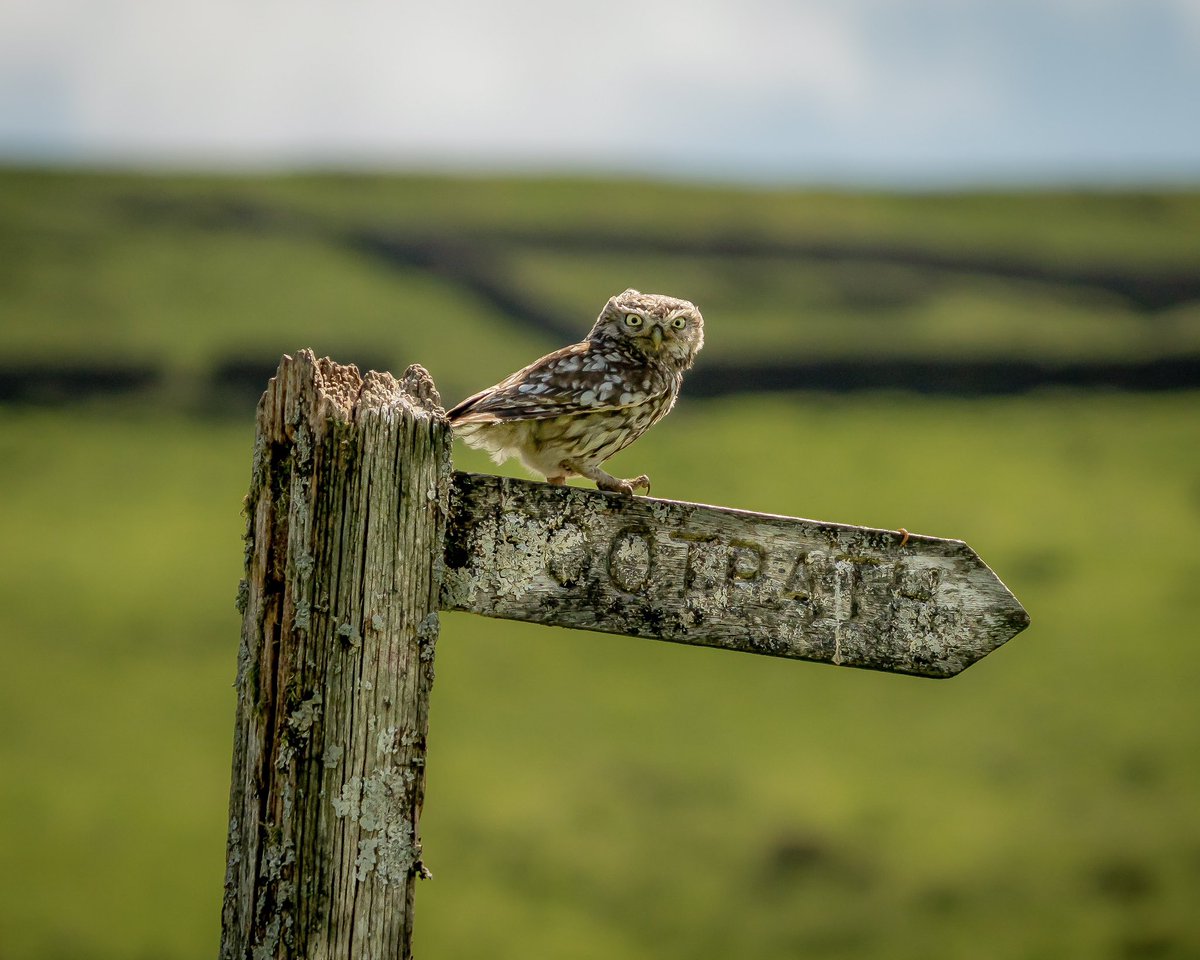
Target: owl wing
[{"x": 587, "y": 377}]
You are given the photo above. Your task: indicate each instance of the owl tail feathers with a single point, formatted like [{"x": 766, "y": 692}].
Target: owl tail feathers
[
  {"x": 482, "y": 435},
  {"x": 483, "y": 429},
  {"x": 465, "y": 414}
]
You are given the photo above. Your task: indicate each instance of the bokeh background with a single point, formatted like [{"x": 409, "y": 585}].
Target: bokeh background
[{"x": 948, "y": 252}]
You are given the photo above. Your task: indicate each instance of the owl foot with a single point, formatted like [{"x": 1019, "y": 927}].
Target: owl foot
[
  {"x": 610, "y": 484},
  {"x": 626, "y": 487}
]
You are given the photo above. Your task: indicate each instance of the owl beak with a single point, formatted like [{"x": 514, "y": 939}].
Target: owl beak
[{"x": 656, "y": 334}]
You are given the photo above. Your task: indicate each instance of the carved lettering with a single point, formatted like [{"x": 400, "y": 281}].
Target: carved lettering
[
  {"x": 798, "y": 585},
  {"x": 567, "y": 556},
  {"x": 838, "y": 588},
  {"x": 631, "y": 560},
  {"x": 746, "y": 561},
  {"x": 697, "y": 574},
  {"x": 873, "y": 585},
  {"x": 826, "y": 589}
]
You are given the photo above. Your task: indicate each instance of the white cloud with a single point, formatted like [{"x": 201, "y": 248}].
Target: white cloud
[{"x": 751, "y": 84}]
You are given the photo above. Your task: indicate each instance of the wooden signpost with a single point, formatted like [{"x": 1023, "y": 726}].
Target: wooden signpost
[{"x": 359, "y": 532}]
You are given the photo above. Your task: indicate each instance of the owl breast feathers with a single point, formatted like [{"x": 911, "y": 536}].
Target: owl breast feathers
[{"x": 567, "y": 413}]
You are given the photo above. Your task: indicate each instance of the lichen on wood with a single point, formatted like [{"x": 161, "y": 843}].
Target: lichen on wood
[
  {"x": 713, "y": 576},
  {"x": 347, "y": 506}
]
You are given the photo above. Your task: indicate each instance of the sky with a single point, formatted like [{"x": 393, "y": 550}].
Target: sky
[{"x": 891, "y": 92}]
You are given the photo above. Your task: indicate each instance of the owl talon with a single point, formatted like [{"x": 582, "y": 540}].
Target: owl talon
[
  {"x": 626, "y": 488},
  {"x": 606, "y": 482},
  {"x": 613, "y": 485}
]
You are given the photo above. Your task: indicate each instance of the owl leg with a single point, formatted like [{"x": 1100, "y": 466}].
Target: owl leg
[{"x": 607, "y": 482}]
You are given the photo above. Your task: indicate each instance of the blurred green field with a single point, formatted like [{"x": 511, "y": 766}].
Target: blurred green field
[
  {"x": 594, "y": 796},
  {"x": 187, "y": 273},
  {"x": 609, "y": 795}
]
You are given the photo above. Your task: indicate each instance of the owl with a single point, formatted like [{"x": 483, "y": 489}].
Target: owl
[{"x": 565, "y": 414}]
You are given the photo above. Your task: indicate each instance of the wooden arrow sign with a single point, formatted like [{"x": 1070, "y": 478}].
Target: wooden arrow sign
[{"x": 717, "y": 577}]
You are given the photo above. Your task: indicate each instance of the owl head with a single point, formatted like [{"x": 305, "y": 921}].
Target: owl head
[{"x": 660, "y": 327}]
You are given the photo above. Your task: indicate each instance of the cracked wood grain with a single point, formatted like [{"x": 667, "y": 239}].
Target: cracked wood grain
[{"x": 345, "y": 516}]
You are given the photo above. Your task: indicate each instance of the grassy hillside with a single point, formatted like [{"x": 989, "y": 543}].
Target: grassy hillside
[
  {"x": 1078, "y": 226},
  {"x": 594, "y": 796},
  {"x": 186, "y": 274}
]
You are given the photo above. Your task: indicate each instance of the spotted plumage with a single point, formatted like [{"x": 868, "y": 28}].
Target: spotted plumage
[{"x": 567, "y": 413}]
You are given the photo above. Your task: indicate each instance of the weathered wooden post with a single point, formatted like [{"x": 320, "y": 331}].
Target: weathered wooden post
[
  {"x": 359, "y": 533},
  {"x": 346, "y": 516}
]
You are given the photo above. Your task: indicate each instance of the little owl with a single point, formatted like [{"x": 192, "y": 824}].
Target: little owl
[{"x": 567, "y": 413}]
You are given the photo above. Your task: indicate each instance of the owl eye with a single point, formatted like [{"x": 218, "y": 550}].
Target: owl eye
[
  {"x": 633, "y": 320},
  {"x": 679, "y": 323}
]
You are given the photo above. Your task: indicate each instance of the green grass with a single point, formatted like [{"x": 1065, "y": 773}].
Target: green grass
[
  {"x": 112, "y": 267},
  {"x": 594, "y": 796}
]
